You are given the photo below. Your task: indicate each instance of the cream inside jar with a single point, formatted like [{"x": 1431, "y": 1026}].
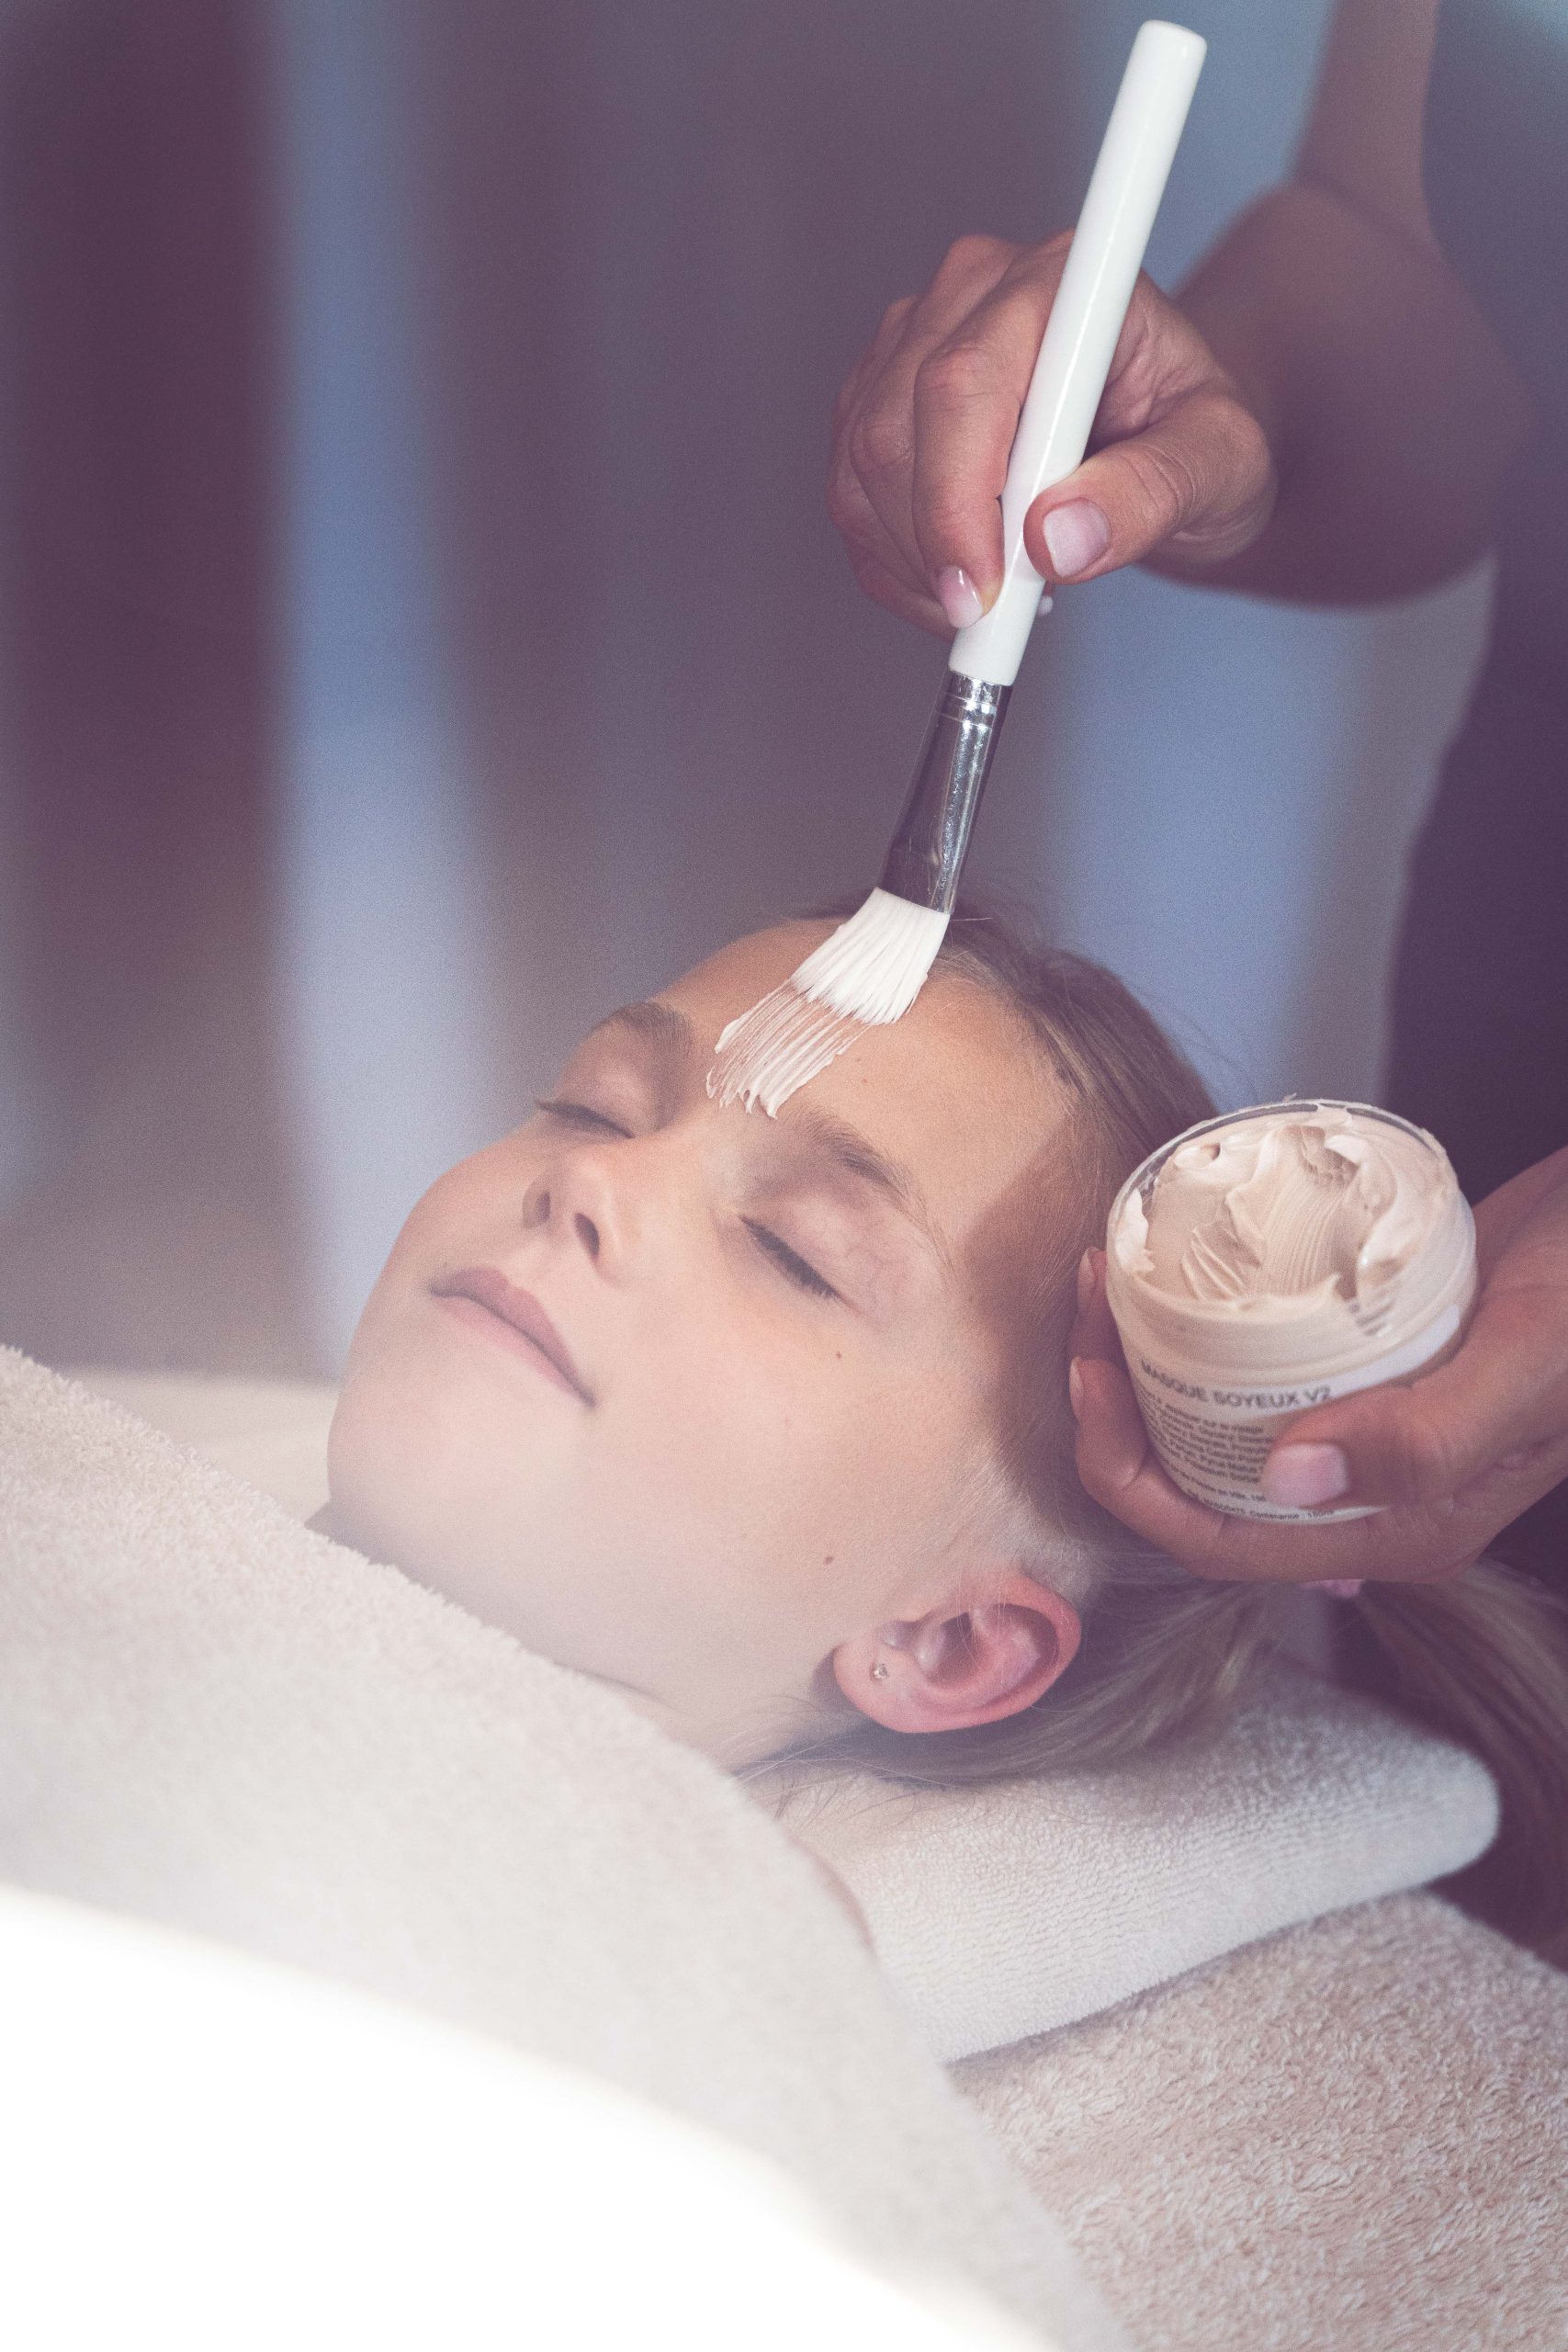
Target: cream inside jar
[{"x": 1275, "y": 1259}]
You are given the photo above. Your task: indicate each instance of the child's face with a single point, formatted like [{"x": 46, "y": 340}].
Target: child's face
[{"x": 782, "y": 1350}]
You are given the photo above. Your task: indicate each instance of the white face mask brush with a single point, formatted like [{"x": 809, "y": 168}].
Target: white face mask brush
[{"x": 872, "y": 969}]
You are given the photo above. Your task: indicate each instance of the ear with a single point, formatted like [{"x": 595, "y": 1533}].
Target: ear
[{"x": 943, "y": 1672}]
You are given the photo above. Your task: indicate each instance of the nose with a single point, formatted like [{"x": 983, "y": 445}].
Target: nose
[{"x": 586, "y": 1199}]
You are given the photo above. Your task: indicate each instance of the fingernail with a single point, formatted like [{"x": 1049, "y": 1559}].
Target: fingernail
[
  {"x": 1298, "y": 1476},
  {"x": 958, "y": 596},
  {"x": 1339, "y": 1587},
  {"x": 1086, "y": 1279},
  {"x": 1076, "y": 536},
  {"x": 1075, "y": 1389}
]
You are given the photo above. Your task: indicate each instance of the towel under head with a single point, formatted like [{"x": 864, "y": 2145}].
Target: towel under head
[{"x": 1002, "y": 1912}]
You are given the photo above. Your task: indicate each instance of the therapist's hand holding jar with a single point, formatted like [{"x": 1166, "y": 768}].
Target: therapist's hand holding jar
[{"x": 1322, "y": 414}]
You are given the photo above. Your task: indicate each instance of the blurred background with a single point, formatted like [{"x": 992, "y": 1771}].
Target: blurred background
[{"x": 421, "y": 629}]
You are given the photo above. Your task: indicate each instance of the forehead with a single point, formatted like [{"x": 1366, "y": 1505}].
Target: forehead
[{"x": 955, "y": 1091}]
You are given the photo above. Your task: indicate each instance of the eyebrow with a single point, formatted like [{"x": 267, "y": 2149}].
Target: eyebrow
[
  {"x": 857, "y": 1156},
  {"x": 673, "y": 1037},
  {"x": 660, "y": 1024}
]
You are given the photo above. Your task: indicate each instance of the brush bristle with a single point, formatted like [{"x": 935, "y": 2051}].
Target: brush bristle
[
  {"x": 781, "y": 1045},
  {"x": 866, "y": 973},
  {"x": 873, "y": 967}
]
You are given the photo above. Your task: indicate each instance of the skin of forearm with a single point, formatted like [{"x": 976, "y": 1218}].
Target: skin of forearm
[{"x": 1391, "y": 410}]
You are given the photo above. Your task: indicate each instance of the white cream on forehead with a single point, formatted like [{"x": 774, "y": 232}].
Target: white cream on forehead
[{"x": 1306, "y": 1205}]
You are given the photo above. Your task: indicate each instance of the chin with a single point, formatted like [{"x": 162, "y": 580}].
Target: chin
[
  {"x": 430, "y": 1484},
  {"x": 409, "y": 1466}
]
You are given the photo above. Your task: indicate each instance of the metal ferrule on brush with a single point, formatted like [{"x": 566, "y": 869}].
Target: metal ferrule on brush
[{"x": 927, "y": 856}]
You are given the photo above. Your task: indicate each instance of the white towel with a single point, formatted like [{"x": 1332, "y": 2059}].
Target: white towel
[
  {"x": 213, "y": 1718},
  {"x": 261, "y": 2158},
  {"x": 1004, "y": 1912},
  {"x": 1348, "y": 2133},
  {"x": 999, "y": 1913},
  {"x": 271, "y": 1433},
  {"x": 1352, "y": 2137}
]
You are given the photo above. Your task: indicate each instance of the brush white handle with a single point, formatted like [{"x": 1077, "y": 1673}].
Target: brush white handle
[{"x": 1079, "y": 344}]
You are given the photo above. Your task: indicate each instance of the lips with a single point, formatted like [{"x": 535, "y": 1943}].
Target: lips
[{"x": 486, "y": 1287}]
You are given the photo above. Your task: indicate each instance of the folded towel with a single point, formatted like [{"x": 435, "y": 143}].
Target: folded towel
[
  {"x": 1002, "y": 1912},
  {"x": 213, "y": 1718}
]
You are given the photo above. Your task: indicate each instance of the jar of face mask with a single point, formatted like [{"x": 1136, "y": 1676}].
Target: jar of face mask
[{"x": 1275, "y": 1259}]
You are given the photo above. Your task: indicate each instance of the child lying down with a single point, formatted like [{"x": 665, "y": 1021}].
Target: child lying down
[{"x": 766, "y": 1422}]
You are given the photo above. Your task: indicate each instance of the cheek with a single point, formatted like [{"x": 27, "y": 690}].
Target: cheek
[
  {"x": 468, "y": 1203},
  {"x": 773, "y": 1449},
  {"x": 446, "y": 1227},
  {"x": 427, "y": 1443},
  {"x": 430, "y": 1460}
]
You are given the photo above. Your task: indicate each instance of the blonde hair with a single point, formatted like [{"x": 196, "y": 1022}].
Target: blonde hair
[{"x": 1164, "y": 1655}]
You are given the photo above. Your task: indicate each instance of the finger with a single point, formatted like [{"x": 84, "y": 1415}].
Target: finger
[
  {"x": 892, "y": 591},
  {"x": 1094, "y": 1331},
  {"x": 1199, "y": 480},
  {"x": 849, "y": 507},
  {"x": 968, "y": 392},
  {"x": 868, "y": 543},
  {"x": 1504, "y": 1395},
  {"x": 1119, "y": 1467},
  {"x": 873, "y": 359},
  {"x": 1119, "y": 1470},
  {"x": 879, "y": 438},
  {"x": 1113, "y": 1444}
]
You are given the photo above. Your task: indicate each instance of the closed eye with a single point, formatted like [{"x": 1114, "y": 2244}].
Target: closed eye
[
  {"x": 793, "y": 1267},
  {"x": 578, "y": 1114},
  {"x": 789, "y": 1262}
]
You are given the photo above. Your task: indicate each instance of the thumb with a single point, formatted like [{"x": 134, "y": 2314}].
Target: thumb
[
  {"x": 1503, "y": 1395},
  {"x": 1200, "y": 476}
]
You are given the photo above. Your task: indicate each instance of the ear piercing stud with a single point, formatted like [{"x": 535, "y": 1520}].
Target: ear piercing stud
[{"x": 879, "y": 1672}]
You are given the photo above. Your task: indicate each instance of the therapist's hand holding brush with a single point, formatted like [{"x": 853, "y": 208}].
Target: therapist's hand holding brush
[
  {"x": 924, "y": 426},
  {"x": 1323, "y": 416}
]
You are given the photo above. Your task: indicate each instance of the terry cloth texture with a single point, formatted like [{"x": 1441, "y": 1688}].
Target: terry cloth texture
[
  {"x": 1344, "y": 2136},
  {"x": 1002, "y": 1912},
  {"x": 213, "y": 1718},
  {"x": 1352, "y": 2137},
  {"x": 999, "y": 1913},
  {"x": 271, "y": 1433}
]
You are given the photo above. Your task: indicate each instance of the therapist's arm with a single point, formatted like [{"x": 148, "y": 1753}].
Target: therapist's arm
[{"x": 1322, "y": 414}]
